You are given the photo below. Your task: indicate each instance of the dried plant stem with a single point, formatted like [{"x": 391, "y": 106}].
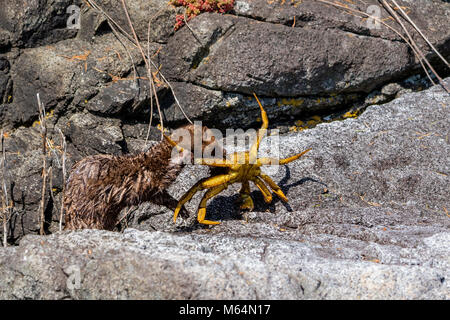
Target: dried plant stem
[
  {"x": 151, "y": 96},
  {"x": 125, "y": 216},
  {"x": 50, "y": 185},
  {"x": 149, "y": 72},
  {"x": 414, "y": 48},
  {"x": 413, "y": 44},
  {"x": 420, "y": 32},
  {"x": 5, "y": 208},
  {"x": 135, "y": 42},
  {"x": 63, "y": 161},
  {"x": 189, "y": 27},
  {"x": 44, "y": 164},
  {"x": 148, "y": 57}
]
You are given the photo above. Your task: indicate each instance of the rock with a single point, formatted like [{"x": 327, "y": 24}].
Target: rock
[
  {"x": 391, "y": 89},
  {"x": 23, "y": 179},
  {"x": 120, "y": 96},
  {"x": 92, "y": 264},
  {"x": 320, "y": 65},
  {"x": 87, "y": 81},
  {"x": 312, "y": 14},
  {"x": 92, "y": 134},
  {"x": 4, "y": 79},
  {"x": 33, "y": 23},
  {"x": 393, "y": 157},
  {"x": 227, "y": 60},
  {"x": 366, "y": 220},
  {"x": 160, "y": 14},
  {"x": 70, "y": 74}
]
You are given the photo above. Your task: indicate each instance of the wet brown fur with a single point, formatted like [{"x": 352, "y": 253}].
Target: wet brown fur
[{"x": 100, "y": 186}]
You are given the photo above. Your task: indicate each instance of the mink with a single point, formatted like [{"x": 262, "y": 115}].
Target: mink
[{"x": 100, "y": 186}]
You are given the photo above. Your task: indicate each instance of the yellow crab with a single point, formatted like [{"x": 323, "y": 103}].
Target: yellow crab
[{"x": 241, "y": 167}]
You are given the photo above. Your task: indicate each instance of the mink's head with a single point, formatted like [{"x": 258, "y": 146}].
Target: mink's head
[{"x": 196, "y": 142}]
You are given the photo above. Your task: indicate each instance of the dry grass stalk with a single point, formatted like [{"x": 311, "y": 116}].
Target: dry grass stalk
[
  {"x": 412, "y": 45},
  {"x": 192, "y": 31},
  {"x": 63, "y": 161},
  {"x": 43, "y": 128},
  {"x": 125, "y": 217},
  {"x": 405, "y": 15},
  {"x": 411, "y": 42},
  {"x": 148, "y": 68},
  {"x": 50, "y": 184},
  {"x": 147, "y": 58},
  {"x": 5, "y": 207}
]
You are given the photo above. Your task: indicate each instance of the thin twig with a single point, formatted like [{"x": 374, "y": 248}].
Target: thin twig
[
  {"x": 44, "y": 163},
  {"x": 5, "y": 208},
  {"x": 413, "y": 44},
  {"x": 148, "y": 57},
  {"x": 420, "y": 32},
  {"x": 63, "y": 160},
  {"x": 149, "y": 71},
  {"x": 417, "y": 54},
  {"x": 127, "y": 213},
  {"x": 130, "y": 38},
  {"x": 189, "y": 27},
  {"x": 151, "y": 96},
  {"x": 50, "y": 180}
]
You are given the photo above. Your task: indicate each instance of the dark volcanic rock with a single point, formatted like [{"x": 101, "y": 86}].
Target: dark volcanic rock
[
  {"x": 368, "y": 202},
  {"x": 243, "y": 55},
  {"x": 31, "y": 23},
  {"x": 366, "y": 219},
  {"x": 392, "y": 161},
  {"x": 159, "y": 13},
  {"x": 312, "y": 14},
  {"x": 4, "y": 79},
  {"x": 92, "y": 134}
]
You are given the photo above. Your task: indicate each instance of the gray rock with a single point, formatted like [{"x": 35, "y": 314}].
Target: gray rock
[
  {"x": 92, "y": 134},
  {"x": 4, "y": 79},
  {"x": 227, "y": 60},
  {"x": 312, "y": 14},
  {"x": 366, "y": 219},
  {"x": 160, "y": 14},
  {"x": 33, "y": 23},
  {"x": 143, "y": 265},
  {"x": 87, "y": 84}
]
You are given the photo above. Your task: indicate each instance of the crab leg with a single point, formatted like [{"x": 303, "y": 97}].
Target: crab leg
[
  {"x": 261, "y": 133},
  {"x": 213, "y": 162},
  {"x": 206, "y": 183},
  {"x": 273, "y": 161},
  {"x": 202, "y": 207},
  {"x": 247, "y": 202},
  {"x": 290, "y": 159},
  {"x": 276, "y": 189},
  {"x": 262, "y": 187}
]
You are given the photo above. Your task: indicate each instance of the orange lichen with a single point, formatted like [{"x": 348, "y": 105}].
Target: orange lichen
[{"x": 195, "y": 7}]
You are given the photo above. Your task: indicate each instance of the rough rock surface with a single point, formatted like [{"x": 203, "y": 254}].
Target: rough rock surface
[
  {"x": 367, "y": 219},
  {"x": 26, "y": 23},
  {"x": 300, "y": 57}
]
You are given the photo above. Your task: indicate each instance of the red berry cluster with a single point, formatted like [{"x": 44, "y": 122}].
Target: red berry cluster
[{"x": 195, "y": 7}]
